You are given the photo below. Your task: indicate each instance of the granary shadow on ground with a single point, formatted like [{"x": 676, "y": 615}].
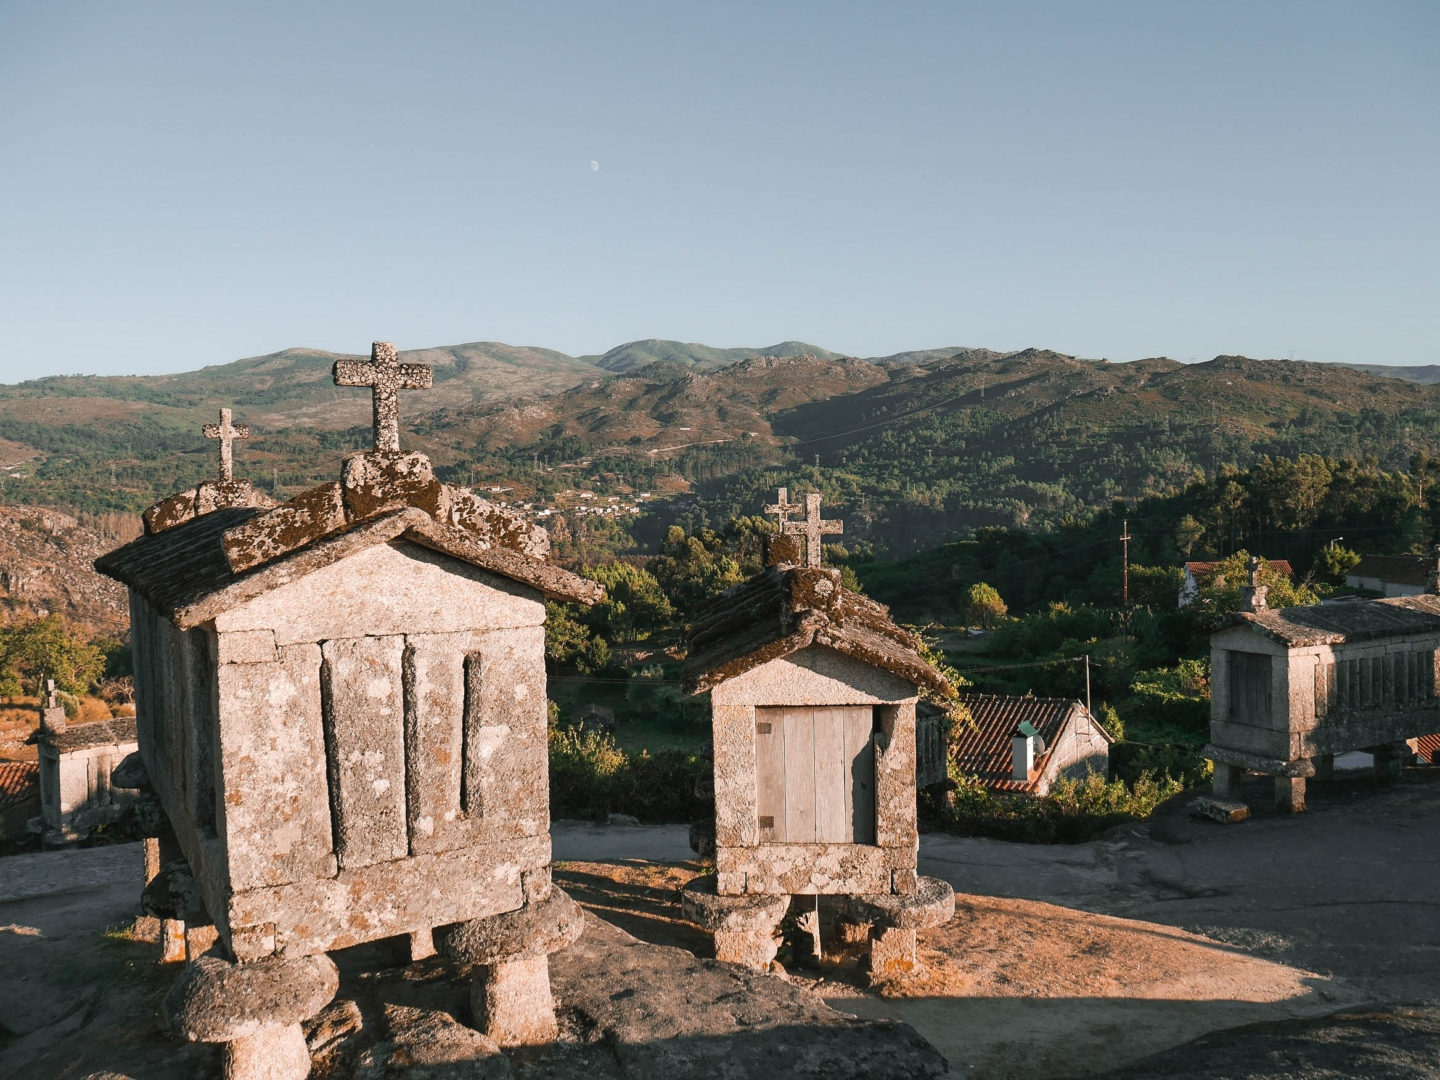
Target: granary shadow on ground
[
  {"x": 640, "y": 897},
  {"x": 1065, "y": 1037}
]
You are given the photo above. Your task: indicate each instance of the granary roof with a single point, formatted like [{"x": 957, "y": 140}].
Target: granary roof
[
  {"x": 785, "y": 609},
  {"x": 112, "y": 732},
  {"x": 1335, "y": 624},
  {"x": 186, "y": 574},
  {"x": 18, "y": 782},
  {"x": 1397, "y": 569},
  {"x": 983, "y": 750}
]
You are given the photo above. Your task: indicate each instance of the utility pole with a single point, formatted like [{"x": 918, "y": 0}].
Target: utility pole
[
  {"x": 1124, "y": 583},
  {"x": 1125, "y": 563},
  {"x": 1087, "y": 685}
]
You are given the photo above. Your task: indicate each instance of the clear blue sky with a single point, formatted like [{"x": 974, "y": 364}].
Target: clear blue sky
[{"x": 188, "y": 183}]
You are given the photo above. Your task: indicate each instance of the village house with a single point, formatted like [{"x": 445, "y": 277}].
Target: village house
[
  {"x": 1021, "y": 745},
  {"x": 19, "y": 797},
  {"x": 1196, "y": 574},
  {"x": 75, "y": 761},
  {"x": 813, "y": 694},
  {"x": 1292, "y": 688},
  {"x": 1390, "y": 575},
  {"x": 342, "y": 713}
]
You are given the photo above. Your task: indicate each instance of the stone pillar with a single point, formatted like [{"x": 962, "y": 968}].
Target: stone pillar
[
  {"x": 1290, "y": 794},
  {"x": 255, "y": 1010},
  {"x": 1226, "y": 782},
  {"x": 420, "y": 945},
  {"x": 744, "y": 927},
  {"x": 895, "y": 919},
  {"x": 147, "y": 927},
  {"x": 1324, "y": 766},
  {"x": 511, "y": 1001},
  {"x": 1390, "y": 762},
  {"x": 199, "y": 940},
  {"x": 507, "y": 956}
]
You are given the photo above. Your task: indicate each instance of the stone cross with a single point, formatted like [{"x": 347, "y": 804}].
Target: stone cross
[
  {"x": 51, "y": 702},
  {"x": 1253, "y": 566},
  {"x": 782, "y": 508},
  {"x": 227, "y": 433},
  {"x": 384, "y": 374},
  {"x": 812, "y": 528}
]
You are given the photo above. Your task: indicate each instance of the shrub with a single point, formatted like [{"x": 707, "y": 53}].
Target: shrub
[
  {"x": 1073, "y": 812},
  {"x": 591, "y": 778}
]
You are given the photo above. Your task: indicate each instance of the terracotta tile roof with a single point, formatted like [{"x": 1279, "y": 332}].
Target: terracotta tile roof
[
  {"x": 1397, "y": 569},
  {"x": 784, "y": 609},
  {"x": 1428, "y": 746},
  {"x": 1200, "y": 569},
  {"x": 19, "y": 783},
  {"x": 1335, "y": 624},
  {"x": 984, "y": 749},
  {"x": 121, "y": 729}
]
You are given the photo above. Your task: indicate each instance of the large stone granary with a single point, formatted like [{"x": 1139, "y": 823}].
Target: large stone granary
[
  {"x": 1292, "y": 687},
  {"x": 342, "y": 712},
  {"x": 813, "y": 692}
]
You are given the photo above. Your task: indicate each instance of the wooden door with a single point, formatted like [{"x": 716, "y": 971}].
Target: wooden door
[{"x": 815, "y": 774}]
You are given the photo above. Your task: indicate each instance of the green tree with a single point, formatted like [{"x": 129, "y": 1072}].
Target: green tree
[
  {"x": 50, "y": 648},
  {"x": 1333, "y": 562},
  {"x": 634, "y": 605},
  {"x": 691, "y": 569},
  {"x": 983, "y": 606},
  {"x": 1188, "y": 533},
  {"x": 1220, "y": 593}
]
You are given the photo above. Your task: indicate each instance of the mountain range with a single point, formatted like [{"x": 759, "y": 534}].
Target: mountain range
[{"x": 957, "y": 436}]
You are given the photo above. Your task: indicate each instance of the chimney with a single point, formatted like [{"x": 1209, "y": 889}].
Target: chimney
[
  {"x": 1022, "y": 752},
  {"x": 1252, "y": 596}
]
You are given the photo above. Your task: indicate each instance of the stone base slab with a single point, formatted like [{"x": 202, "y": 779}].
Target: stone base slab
[
  {"x": 1225, "y": 811},
  {"x": 535, "y": 929},
  {"x": 932, "y": 904}
]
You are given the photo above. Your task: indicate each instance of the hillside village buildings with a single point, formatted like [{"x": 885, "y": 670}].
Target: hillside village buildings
[
  {"x": 342, "y": 715},
  {"x": 1022, "y": 745}
]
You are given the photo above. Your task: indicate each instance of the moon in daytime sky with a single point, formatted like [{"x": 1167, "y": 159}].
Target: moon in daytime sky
[{"x": 594, "y": 166}]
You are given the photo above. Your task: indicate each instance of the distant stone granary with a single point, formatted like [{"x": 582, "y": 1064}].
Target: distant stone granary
[
  {"x": 813, "y": 693},
  {"x": 76, "y": 795},
  {"x": 1293, "y": 687},
  {"x": 342, "y": 713},
  {"x": 1022, "y": 745}
]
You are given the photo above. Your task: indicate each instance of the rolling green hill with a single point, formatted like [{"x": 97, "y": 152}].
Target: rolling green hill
[
  {"x": 638, "y": 354},
  {"x": 916, "y": 447}
]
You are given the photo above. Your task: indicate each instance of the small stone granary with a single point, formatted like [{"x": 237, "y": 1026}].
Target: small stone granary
[
  {"x": 1291, "y": 688},
  {"x": 76, "y": 795},
  {"x": 813, "y": 692},
  {"x": 342, "y": 714}
]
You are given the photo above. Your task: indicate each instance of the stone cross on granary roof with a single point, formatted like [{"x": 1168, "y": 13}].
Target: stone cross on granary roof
[
  {"x": 782, "y": 508},
  {"x": 51, "y": 701},
  {"x": 227, "y": 433},
  {"x": 385, "y": 375},
  {"x": 812, "y": 528}
]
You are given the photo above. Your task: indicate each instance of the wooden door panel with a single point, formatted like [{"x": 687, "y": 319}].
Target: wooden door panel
[{"x": 815, "y": 775}]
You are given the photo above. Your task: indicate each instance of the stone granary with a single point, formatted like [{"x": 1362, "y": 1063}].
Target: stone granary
[
  {"x": 813, "y": 692},
  {"x": 1293, "y": 687},
  {"x": 76, "y": 795},
  {"x": 342, "y": 713}
]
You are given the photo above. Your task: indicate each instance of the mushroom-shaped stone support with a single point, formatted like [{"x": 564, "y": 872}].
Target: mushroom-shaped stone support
[
  {"x": 743, "y": 926},
  {"x": 508, "y": 954},
  {"x": 254, "y": 1009},
  {"x": 894, "y": 920}
]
